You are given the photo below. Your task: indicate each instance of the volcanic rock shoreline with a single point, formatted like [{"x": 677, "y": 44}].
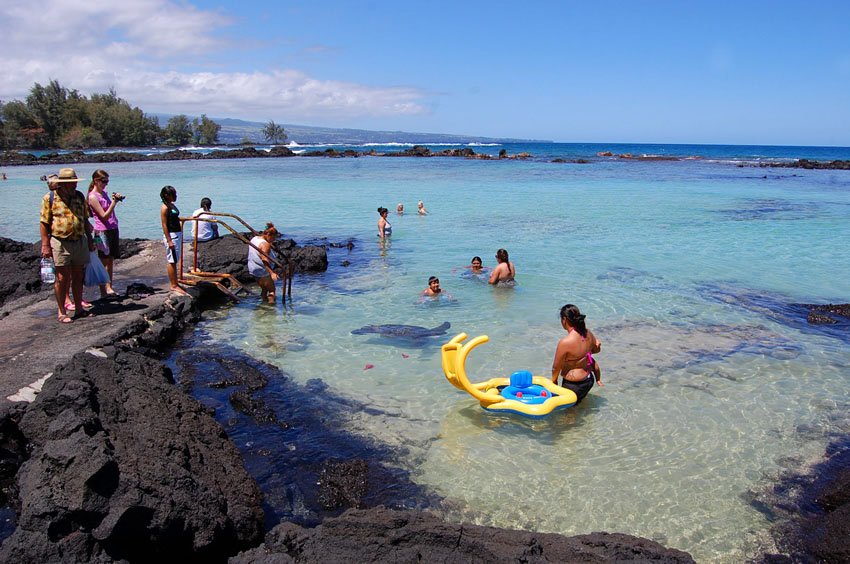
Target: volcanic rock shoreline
[
  {"x": 114, "y": 462},
  {"x": 18, "y": 158}
]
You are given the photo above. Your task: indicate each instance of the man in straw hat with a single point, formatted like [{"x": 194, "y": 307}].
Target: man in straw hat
[{"x": 66, "y": 236}]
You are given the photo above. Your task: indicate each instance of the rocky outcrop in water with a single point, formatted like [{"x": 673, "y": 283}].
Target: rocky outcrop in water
[
  {"x": 229, "y": 255},
  {"x": 385, "y": 535},
  {"x": 811, "y": 510},
  {"x": 827, "y": 314},
  {"x": 12, "y": 158},
  {"x": 829, "y": 538},
  {"x": 808, "y": 164}
]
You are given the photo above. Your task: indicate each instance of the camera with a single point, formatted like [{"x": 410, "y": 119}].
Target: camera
[{"x": 118, "y": 197}]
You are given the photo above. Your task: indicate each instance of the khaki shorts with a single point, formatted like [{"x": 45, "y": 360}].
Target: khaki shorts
[{"x": 70, "y": 253}]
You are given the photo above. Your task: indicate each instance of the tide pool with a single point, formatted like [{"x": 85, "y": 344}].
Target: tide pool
[{"x": 686, "y": 270}]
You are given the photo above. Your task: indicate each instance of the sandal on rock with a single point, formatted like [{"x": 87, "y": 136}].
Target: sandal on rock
[
  {"x": 81, "y": 314},
  {"x": 86, "y": 306},
  {"x": 64, "y": 318}
]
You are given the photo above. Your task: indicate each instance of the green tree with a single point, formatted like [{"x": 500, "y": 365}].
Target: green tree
[
  {"x": 205, "y": 130},
  {"x": 21, "y": 128},
  {"x": 119, "y": 124},
  {"x": 81, "y": 138},
  {"x": 178, "y": 130},
  {"x": 274, "y": 133},
  {"x": 48, "y": 105}
]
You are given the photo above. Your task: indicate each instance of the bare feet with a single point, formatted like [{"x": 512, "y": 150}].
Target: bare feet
[{"x": 179, "y": 291}]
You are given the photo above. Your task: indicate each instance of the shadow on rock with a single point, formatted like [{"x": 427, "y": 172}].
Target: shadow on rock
[{"x": 294, "y": 438}]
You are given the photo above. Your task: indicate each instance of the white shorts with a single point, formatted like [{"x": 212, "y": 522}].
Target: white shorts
[{"x": 177, "y": 239}]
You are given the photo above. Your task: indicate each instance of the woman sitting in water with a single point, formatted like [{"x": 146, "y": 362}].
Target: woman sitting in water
[
  {"x": 574, "y": 354},
  {"x": 385, "y": 229},
  {"x": 259, "y": 265},
  {"x": 505, "y": 271},
  {"x": 474, "y": 269},
  {"x": 475, "y": 265}
]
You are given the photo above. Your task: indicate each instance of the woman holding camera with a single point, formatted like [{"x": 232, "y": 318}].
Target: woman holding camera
[{"x": 105, "y": 225}]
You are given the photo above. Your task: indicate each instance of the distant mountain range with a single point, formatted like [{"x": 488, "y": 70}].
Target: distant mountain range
[{"x": 234, "y": 131}]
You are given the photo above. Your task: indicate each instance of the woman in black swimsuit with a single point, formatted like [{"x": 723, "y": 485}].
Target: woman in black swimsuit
[{"x": 574, "y": 354}]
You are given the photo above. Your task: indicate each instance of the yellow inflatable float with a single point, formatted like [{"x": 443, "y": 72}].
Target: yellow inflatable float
[{"x": 522, "y": 393}]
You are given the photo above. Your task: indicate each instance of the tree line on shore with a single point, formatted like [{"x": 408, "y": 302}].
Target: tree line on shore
[{"x": 54, "y": 117}]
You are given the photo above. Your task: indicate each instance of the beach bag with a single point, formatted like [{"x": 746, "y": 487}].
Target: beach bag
[
  {"x": 100, "y": 242},
  {"x": 96, "y": 273}
]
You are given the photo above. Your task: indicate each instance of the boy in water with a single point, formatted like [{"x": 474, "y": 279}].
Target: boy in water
[{"x": 433, "y": 290}]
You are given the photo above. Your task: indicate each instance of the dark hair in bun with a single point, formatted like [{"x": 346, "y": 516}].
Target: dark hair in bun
[{"x": 576, "y": 318}]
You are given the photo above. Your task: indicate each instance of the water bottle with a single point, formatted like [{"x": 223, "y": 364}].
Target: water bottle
[{"x": 48, "y": 272}]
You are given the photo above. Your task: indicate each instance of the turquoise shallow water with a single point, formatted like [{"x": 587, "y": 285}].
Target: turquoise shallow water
[{"x": 687, "y": 272}]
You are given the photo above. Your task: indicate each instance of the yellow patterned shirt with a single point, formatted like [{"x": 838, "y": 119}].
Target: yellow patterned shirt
[{"x": 65, "y": 219}]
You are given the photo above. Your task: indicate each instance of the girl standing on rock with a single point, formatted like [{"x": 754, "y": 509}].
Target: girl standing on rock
[
  {"x": 105, "y": 225},
  {"x": 172, "y": 235}
]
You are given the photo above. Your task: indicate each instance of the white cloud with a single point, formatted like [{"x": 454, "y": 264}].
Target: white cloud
[
  {"x": 137, "y": 47},
  {"x": 262, "y": 95}
]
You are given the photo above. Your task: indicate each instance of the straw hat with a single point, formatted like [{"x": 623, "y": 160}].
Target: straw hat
[{"x": 67, "y": 175}]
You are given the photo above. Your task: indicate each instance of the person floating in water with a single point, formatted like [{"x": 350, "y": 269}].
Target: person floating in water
[
  {"x": 400, "y": 209},
  {"x": 574, "y": 354},
  {"x": 422, "y": 210}
]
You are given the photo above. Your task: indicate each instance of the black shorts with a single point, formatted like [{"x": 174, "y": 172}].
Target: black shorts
[
  {"x": 580, "y": 388},
  {"x": 110, "y": 237}
]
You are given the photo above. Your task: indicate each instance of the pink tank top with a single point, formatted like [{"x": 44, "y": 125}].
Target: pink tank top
[{"x": 111, "y": 221}]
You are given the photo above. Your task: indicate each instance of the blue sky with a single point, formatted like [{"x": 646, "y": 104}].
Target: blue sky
[{"x": 664, "y": 71}]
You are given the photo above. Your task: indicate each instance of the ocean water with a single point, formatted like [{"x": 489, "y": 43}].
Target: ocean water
[{"x": 688, "y": 271}]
